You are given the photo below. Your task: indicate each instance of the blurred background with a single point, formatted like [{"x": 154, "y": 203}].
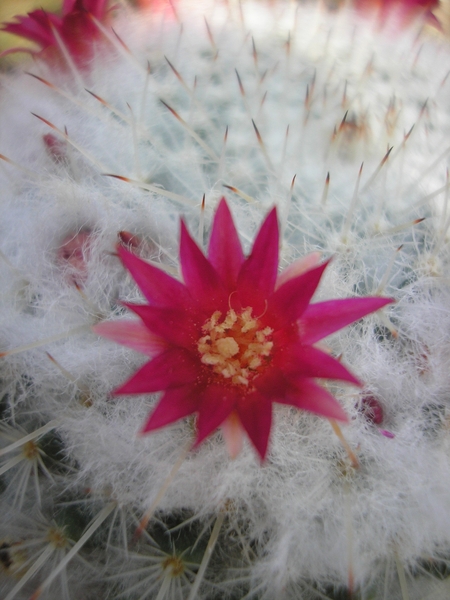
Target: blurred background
[{"x": 11, "y": 8}]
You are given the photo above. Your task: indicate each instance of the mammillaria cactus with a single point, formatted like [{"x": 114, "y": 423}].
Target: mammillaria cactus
[{"x": 343, "y": 127}]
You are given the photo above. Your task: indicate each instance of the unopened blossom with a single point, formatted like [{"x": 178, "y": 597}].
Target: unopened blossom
[
  {"x": 234, "y": 338},
  {"x": 72, "y": 254}
]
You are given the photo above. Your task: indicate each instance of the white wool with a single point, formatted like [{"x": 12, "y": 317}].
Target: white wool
[{"x": 305, "y": 523}]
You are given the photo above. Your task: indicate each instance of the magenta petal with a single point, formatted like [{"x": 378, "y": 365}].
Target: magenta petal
[
  {"x": 298, "y": 267},
  {"x": 216, "y": 403},
  {"x": 67, "y": 7},
  {"x": 35, "y": 27},
  {"x": 174, "y": 405},
  {"x": 95, "y": 7},
  {"x": 309, "y": 396},
  {"x": 132, "y": 334},
  {"x": 291, "y": 299},
  {"x": 200, "y": 277},
  {"x": 255, "y": 413},
  {"x": 324, "y": 318},
  {"x": 173, "y": 325},
  {"x": 159, "y": 288},
  {"x": 45, "y": 21},
  {"x": 225, "y": 251},
  {"x": 272, "y": 383},
  {"x": 258, "y": 274},
  {"x": 172, "y": 368},
  {"x": 306, "y": 361}
]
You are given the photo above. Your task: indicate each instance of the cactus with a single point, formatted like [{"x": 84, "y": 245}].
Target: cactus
[{"x": 341, "y": 122}]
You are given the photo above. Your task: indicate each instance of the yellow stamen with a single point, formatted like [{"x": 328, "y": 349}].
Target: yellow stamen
[{"x": 236, "y": 347}]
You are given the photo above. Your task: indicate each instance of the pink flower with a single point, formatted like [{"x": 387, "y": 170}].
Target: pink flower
[
  {"x": 74, "y": 28},
  {"x": 400, "y": 11},
  {"x": 234, "y": 337}
]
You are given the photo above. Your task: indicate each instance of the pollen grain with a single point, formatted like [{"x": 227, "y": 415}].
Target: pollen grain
[{"x": 237, "y": 347}]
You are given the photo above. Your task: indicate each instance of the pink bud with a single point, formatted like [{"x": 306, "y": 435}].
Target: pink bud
[
  {"x": 72, "y": 255},
  {"x": 373, "y": 411},
  {"x": 129, "y": 240},
  {"x": 56, "y": 148}
]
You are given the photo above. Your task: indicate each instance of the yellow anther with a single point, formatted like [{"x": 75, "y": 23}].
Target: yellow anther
[{"x": 235, "y": 347}]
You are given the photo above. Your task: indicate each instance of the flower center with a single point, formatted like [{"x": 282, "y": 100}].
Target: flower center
[{"x": 236, "y": 347}]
